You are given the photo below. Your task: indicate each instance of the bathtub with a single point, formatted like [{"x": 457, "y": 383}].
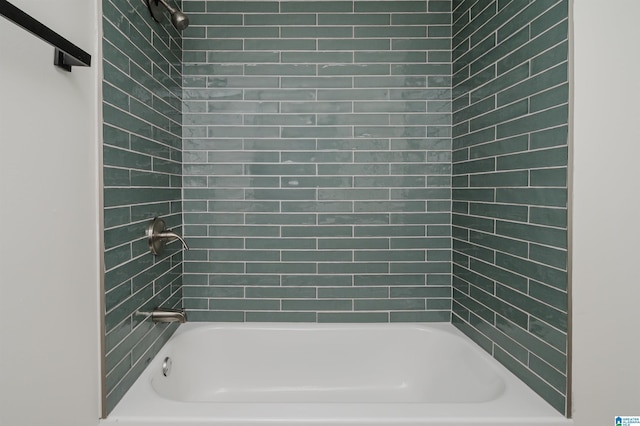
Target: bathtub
[{"x": 313, "y": 374}]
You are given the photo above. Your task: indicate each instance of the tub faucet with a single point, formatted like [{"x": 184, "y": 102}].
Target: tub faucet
[{"x": 168, "y": 315}]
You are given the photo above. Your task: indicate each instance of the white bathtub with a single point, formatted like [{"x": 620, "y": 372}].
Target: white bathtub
[{"x": 313, "y": 374}]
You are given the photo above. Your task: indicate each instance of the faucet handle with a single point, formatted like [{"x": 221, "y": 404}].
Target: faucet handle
[{"x": 158, "y": 235}]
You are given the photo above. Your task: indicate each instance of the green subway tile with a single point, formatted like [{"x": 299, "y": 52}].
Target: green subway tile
[
  {"x": 549, "y": 295},
  {"x": 390, "y": 31},
  {"x": 500, "y": 211},
  {"x": 390, "y": 57},
  {"x": 550, "y": 58},
  {"x": 389, "y": 231},
  {"x": 474, "y": 138},
  {"x": 550, "y": 18},
  {"x": 280, "y": 219},
  {"x": 353, "y": 317},
  {"x": 389, "y": 6},
  {"x": 316, "y": 231},
  {"x": 517, "y": 316},
  {"x": 280, "y": 293},
  {"x": 353, "y": 119},
  {"x": 315, "y": 32},
  {"x": 428, "y": 44},
  {"x": 536, "y": 271},
  {"x": 211, "y": 291},
  {"x": 279, "y": 69},
  {"x": 520, "y": 178},
  {"x": 500, "y": 115},
  {"x": 316, "y": 280},
  {"x": 535, "y": 308},
  {"x": 474, "y": 166},
  {"x": 324, "y": 6},
  {"x": 424, "y": 69},
  {"x": 244, "y": 280},
  {"x": 211, "y": 44},
  {"x": 354, "y": 44},
  {"x": 315, "y": 256},
  {"x": 550, "y": 217},
  {"x": 499, "y": 338},
  {"x": 473, "y": 222},
  {"x": 315, "y": 107},
  {"x": 316, "y": 82},
  {"x": 353, "y": 219},
  {"x": 548, "y": 256},
  {"x": 280, "y": 243},
  {"x": 542, "y": 388},
  {"x": 116, "y": 177},
  {"x": 244, "y": 304},
  {"x": 389, "y": 255},
  {"x": 245, "y": 32},
  {"x": 505, "y": 146},
  {"x": 244, "y": 255},
  {"x": 547, "y": 79},
  {"x": 317, "y": 58},
  {"x": 550, "y": 98},
  {"x": 534, "y": 159},
  {"x": 549, "y": 335},
  {"x": 549, "y": 137},
  {"x": 390, "y": 280},
  {"x": 389, "y": 304},
  {"x": 352, "y": 292},
  {"x": 353, "y": 268},
  {"x": 538, "y": 45},
  {"x": 243, "y": 6},
  {"x": 280, "y": 316},
  {"x": 354, "y": 19},
  {"x": 315, "y": 206},
  {"x": 278, "y": 19},
  {"x": 421, "y": 316},
  {"x": 215, "y": 316},
  {"x": 538, "y": 234},
  {"x": 507, "y": 79},
  {"x": 353, "y": 243},
  {"x": 473, "y": 278},
  {"x": 420, "y": 18},
  {"x": 551, "y": 197},
  {"x": 317, "y": 305},
  {"x": 317, "y": 132},
  {"x": 357, "y": 69},
  {"x": 280, "y": 45},
  {"x": 551, "y": 375},
  {"x": 244, "y": 82},
  {"x": 248, "y": 231}
]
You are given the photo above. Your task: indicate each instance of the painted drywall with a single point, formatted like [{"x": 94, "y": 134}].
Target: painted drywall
[
  {"x": 606, "y": 292},
  {"x": 49, "y": 216}
]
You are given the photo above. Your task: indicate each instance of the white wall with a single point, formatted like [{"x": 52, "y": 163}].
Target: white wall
[
  {"x": 49, "y": 270},
  {"x": 606, "y": 242}
]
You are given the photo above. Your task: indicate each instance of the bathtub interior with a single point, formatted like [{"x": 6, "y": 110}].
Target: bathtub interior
[
  {"x": 264, "y": 379},
  {"x": 311, "y": 364}
]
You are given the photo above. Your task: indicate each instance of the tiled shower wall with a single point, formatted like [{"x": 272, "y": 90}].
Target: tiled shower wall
[
  {"x": 142, "y": 179},
  {"x": 317, "y": 160},
  {"x": 510, "y": 115}
]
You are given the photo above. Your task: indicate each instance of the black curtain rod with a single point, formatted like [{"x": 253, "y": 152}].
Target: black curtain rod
[{"x": 67, "y": 54}]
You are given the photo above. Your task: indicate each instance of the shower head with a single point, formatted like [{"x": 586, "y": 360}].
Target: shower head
[{"x": 179, "y": 20}]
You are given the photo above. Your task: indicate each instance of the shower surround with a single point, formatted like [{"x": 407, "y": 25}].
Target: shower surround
[
  {"x": 317, "y": 162},
  {"x": 308, "y": 148}
]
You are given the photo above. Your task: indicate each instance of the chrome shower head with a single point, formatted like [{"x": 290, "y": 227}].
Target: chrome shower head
[{"x": 178, "y": 19}]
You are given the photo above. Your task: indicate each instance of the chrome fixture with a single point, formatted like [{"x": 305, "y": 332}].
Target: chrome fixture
[
  {"x": 158, "y": 235},
  {"x": 166, "y": 366},
  {"x": 179, "y": 20},
  {"x": 165, "y": 315}
]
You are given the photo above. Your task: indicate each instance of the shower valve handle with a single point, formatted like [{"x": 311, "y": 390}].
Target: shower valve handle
[{"x": 158, "y": 236}]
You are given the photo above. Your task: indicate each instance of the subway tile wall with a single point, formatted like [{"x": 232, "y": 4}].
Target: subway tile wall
[
  {"x": 510, "y": 115},
  {"x": 142, "y": 132},
  {"x": 317, "y": 160}
]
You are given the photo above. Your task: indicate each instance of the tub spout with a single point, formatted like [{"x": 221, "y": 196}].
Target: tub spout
[{"x": 168, "y": 315}]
